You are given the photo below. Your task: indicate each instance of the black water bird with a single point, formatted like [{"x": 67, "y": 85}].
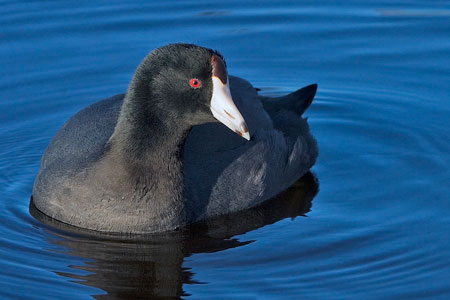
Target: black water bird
[{"x": 156, "y": 159}]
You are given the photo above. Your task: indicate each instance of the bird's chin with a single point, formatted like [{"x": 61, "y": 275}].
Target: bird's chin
[{"x": 202, "y": 117}]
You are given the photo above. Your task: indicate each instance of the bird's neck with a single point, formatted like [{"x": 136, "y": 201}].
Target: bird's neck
[
  {"x": 147, "y": 147},
  {"x": 148, "y": 134}
]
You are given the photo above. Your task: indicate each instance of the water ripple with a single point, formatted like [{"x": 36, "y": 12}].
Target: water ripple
[{"x": 378, "y": 229}]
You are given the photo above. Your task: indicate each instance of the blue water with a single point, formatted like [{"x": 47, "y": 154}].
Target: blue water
[{"x": 378, "y": 227}]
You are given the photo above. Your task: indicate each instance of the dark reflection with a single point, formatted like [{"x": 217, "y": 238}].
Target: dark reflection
[{"x": 150, "y": 266}]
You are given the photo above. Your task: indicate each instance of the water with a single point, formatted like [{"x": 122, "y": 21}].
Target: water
[{"x": 377, "y": 229}]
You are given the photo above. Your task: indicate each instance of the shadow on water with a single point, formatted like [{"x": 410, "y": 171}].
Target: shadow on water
[{"x": 150, "y": 266}]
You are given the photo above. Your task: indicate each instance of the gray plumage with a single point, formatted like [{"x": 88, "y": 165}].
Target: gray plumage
[{"x": 103, "y": 171}]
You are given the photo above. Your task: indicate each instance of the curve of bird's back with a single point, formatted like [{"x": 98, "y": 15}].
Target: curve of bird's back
[{"x": 82, "y": 139}]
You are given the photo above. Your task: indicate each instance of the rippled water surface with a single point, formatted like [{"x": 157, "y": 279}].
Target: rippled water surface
[{"x": 373, "y": 220}]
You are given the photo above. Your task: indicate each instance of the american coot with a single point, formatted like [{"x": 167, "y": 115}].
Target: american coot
[{"x": 156, "y": 159}]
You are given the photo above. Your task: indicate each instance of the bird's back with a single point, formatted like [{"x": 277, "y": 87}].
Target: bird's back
[
  {"x": 224, "y": 173},
  {"x": 78, "y": 144}
]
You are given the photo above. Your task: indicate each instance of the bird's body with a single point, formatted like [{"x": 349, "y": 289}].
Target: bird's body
[{"x": 117, "y": 166}]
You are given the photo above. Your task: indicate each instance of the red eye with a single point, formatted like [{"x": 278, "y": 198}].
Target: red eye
[{"x": 195, "y": 83}]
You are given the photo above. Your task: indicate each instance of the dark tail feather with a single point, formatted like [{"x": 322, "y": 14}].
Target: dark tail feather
[{"x": 297, "y": 101}]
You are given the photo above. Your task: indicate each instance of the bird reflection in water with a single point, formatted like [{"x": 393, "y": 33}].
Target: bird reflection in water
[{"x": 150, "y": 266}]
